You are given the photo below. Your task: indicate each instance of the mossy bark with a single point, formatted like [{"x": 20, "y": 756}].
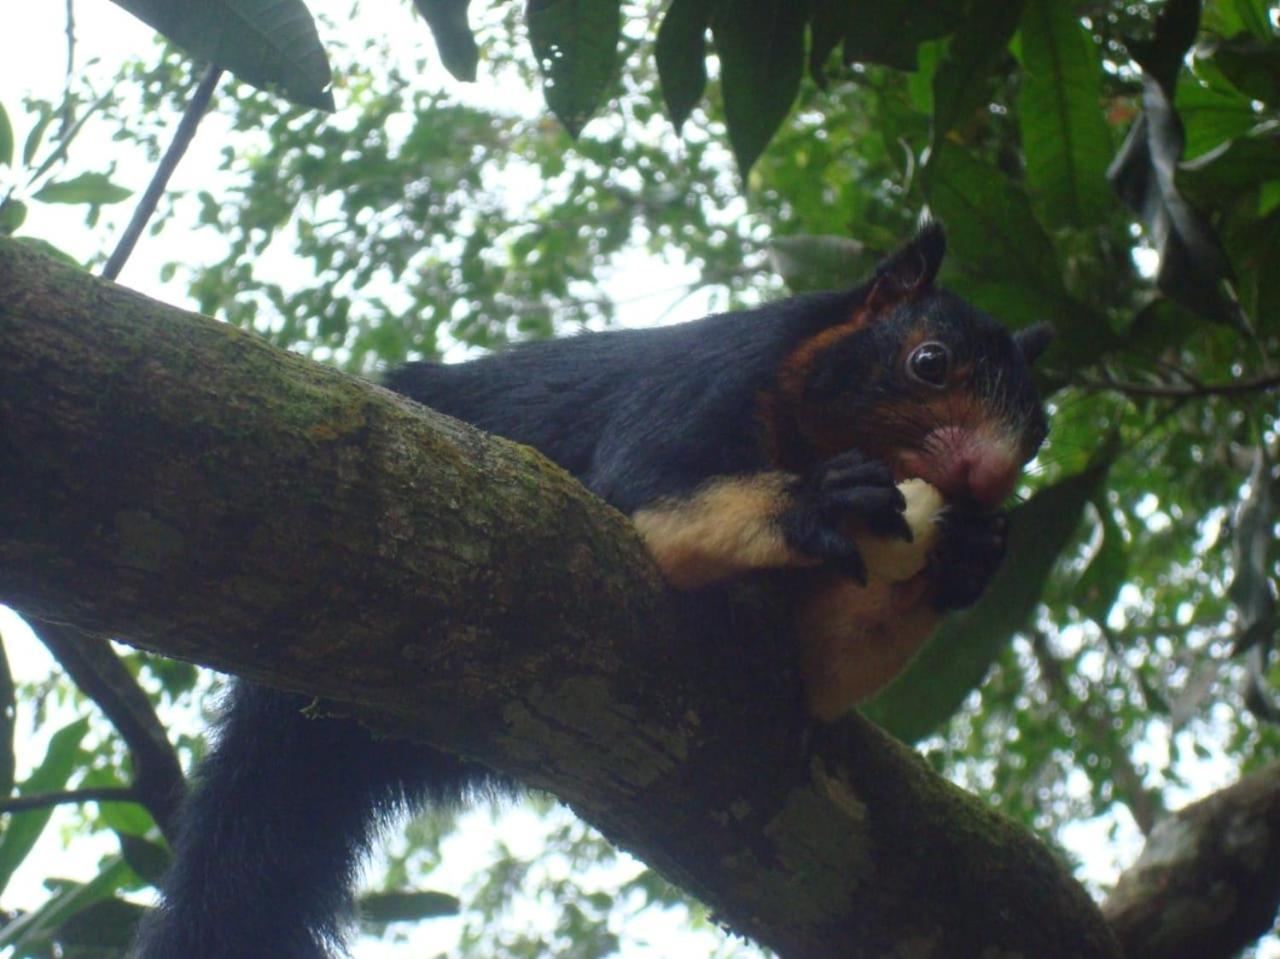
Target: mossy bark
[{"x": 181, "y": 485}]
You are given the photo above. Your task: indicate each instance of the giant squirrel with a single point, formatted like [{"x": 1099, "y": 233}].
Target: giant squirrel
[{"x": 865, "y": 438}]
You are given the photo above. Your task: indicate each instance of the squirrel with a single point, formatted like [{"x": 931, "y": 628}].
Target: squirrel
[{"x": 866, "y": 438}]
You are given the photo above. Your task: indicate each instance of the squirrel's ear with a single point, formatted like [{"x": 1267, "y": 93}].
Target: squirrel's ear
[
  {"x": 910, "y": 270},
  {"x": 1033, "y": 340}
]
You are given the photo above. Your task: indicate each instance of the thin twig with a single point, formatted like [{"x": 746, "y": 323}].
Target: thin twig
[
  {"x": 68, "y": 103},
  {"x": 65, "y": 796},
  {"x": 155, "y": 189},
  {"x": 1255, "y": 384}
]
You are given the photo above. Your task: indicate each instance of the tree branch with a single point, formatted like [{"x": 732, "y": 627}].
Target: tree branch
[
  {"x": 182, "y": 138},
  {"x": 1206, "y": 884},
  {"x": 99, "y": 674},
  {"x": 62, "y": 797},
  {"x": 179, "y": 482},
  {"x": 1182, "y": 391}
]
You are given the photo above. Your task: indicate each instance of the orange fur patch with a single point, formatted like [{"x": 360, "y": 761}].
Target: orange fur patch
[
  {"x": 856, "y": 640},
  {"x": 795, "y": 368},
  {"x": 725, "y": 528}
]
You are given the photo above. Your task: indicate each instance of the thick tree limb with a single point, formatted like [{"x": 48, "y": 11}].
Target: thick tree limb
[
  {"x": 1208, "y": 881},
  {"x": 180, "y": 483}
]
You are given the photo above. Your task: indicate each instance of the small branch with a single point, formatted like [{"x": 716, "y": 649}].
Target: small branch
[
  {"x": 98, "y": 672},
  {"x": 65, "y": 796},
  {"x": 1257, "y": 384},
  {"x": 168, "y": 163},
  {"x": 1206, "y": 884},
  {"x": 68, "y": 104}
]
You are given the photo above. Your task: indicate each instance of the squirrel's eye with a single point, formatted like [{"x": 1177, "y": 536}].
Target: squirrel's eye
[{"x": 929, "y": 363}]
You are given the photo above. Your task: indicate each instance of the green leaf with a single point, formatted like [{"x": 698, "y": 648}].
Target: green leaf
[
  {"x": 1236, "y": 167},
  {"x": 681, "y": 55},
  {"x": 6, "y": 138},
  {"x": 1107, "y": 570},
  {"x": 820, "y": 262},
  {"x": 959, "y": 85},
  {"x": 146, "y": 858},
  {"x": 39, "y": 925},
  {"x": 955, "y": 661},
  {"x": 1211, "y": 115},
  {"x": 126, "y": 818},
  {"x": 1230, "y": 17},
  {"x": 8, "y": 715},
  {"x": 1008, "y": 263},
  {"x": 1256, "y": 17},
  {"x": 13, "y": 213},
  {"x": 761, "y": 48},
  {"x": 265, "y": 43},
  {"x": 576, "y": 45},
  {"x": 1252, "y": 66},
  {"x": 383, "y": 907},
  {"x": 990, "y": 225},
  {"x": 103, "y": 926},
  {"x": 1064, "y": 136},
  {"x": 24, "y": 828},
  {"x": 94, "y": 188},
  {"x": 873, "y": 31},
  {"x": 1192, "y": 262},
  {"x": 455, "y": 42},
  {"x": 36, "y": 135}
]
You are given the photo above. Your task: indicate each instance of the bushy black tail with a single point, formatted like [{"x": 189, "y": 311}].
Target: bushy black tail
[{"x": 274, "y": 827}]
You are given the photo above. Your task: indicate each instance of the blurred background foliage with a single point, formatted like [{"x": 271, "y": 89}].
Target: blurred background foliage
[{"x": 1111, "y": 166}]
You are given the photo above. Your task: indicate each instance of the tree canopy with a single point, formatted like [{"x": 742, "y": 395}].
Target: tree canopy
[{"x": 1113, "y": 168}]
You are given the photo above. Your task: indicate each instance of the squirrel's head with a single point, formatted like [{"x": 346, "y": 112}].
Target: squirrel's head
[{"x": 915, "y": 376}]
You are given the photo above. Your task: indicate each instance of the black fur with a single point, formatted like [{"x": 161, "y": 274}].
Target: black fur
[
  {"x": 846, "y": 487},
  {"x": 282, "y": 809}
]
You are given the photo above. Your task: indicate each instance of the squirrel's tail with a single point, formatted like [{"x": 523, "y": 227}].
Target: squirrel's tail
[{"x": 275, "y": 824}]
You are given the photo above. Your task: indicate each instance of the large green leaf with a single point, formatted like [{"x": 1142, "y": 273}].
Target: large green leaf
[
  {"x": 576, "y": 44},
  {"x": 1252, "y": 65},
  {"x": 103, "y": 927},
  {"x": 94, "y": 188},
  {"x": 33, "y": 929},
  {"x": 990, "y": 224},
  {"x": 1108, "y": 569},
  {"x": 265, "y": 43},
  {"x": 13, "y": 213},
  {"x": 959, "y": 85},
  {"x": 761, "y": 47},
  {"x": 1230, "y": 17},
  {"x": 1192, "y": 264},
  {"x": 1239, "y": 166},
  {"x": 24, "y": 828},
  {"x": 8, "y": 715},
  {"x": 407, "y": 906},
  {"x": 872, "y": 31},
  {"x": 955, "y": 661},
  {"x": 1064, "y": 136},
  {"x": 6, "y": 138},
  {"x": 1211, "y": 115},
  {"x": 681, "y": 55},
  {"x": 35, "y": 136},
  {"x": 455, "y": 42},
  {"x": 1007, "y": 260}
]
